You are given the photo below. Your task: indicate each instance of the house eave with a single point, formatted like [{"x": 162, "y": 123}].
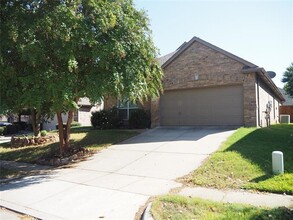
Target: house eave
[{"x": 265, "y": 77}]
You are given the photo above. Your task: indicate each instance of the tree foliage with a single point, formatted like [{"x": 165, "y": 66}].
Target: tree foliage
[
  {"x": 61, "y": 50},
  {"x": 288, "y": 80}
]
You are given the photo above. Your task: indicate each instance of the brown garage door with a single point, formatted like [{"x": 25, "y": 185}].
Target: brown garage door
[{"x": 207, "y": 106}]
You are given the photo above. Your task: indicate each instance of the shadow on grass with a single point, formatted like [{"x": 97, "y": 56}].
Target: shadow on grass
[
  {"x": 29, "y": 154},
  {"x": 97, "y": 139},
  {"x": 276, "y": 213},
  {"x": 258, "y": 146}
]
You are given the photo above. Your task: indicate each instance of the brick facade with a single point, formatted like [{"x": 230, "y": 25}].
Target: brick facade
[{"x": 201, "y": 66}]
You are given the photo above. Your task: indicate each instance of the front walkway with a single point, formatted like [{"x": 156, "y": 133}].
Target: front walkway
[
  {"x": 116, "y": 182},
  {"x": 236, "y": 196}
]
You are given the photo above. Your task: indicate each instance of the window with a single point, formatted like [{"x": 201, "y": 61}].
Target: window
[{"x": 125, "y": 109}]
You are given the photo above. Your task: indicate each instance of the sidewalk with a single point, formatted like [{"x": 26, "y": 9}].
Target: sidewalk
[
  {"x": 232, "y": 196},
  {"x": 5, "y": 139}
]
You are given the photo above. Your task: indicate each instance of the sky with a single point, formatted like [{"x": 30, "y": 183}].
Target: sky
[{"x": 259, "y": 31}]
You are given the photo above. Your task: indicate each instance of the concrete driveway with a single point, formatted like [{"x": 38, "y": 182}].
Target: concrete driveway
[{"x": 114, "y": 183}]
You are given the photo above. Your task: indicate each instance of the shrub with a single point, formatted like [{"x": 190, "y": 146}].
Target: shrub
[
  {"x": 75, "y": 124},
  {"x": 3, "y": 130},
  {"x": 21, "y": 125},
  {"x": 43, "y": 133},
  {"x": 105, "y": 119},
  {"x": 140, "y": 118},
  {"x": 11, "y": 129}
]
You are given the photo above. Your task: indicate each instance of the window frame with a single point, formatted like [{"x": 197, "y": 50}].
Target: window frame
[{"x": 129, "y": 106}]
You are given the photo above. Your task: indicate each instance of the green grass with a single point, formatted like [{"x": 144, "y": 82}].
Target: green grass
[
  {"x": 85, "y": 137},
  {"x": 245, "y": 161},
  {"x": 179, "y": 207}
]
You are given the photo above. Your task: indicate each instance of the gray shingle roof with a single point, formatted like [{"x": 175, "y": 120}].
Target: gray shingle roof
[
  {"x": 288, "y": 99},
  {"x": 166, "y": 57}
]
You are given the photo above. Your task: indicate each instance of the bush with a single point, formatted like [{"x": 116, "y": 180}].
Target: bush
[
  {"x": 140, "y": 118},
  {"x": 105, "y": 119},
  {"x": 75, "y": 124},
  {"x": 3, "y": 130},
  {"x": 43, "y": 133},
  {"x": 21, "y": 125},
  {"x": 11, "y": 129}
]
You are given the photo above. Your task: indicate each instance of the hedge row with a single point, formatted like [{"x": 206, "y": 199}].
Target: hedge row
[{"x": 109, "y": 119}]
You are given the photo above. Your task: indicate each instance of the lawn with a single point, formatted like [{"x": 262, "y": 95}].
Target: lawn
[
  {"x": 179, "y": 207},
  {"x": 8, "y": 173},
  {"x": 245, "y": 161},
  {"x": 85, "y": 137}
]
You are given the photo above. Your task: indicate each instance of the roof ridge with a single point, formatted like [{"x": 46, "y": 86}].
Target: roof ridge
[{"x": 185, "y": 45}]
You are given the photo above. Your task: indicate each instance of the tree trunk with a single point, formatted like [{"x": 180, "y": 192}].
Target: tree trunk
[
  {"x": 61, "y": 133},
  {"x": 67, "y": 129},
  {"x": 64, "y": 133},
  {"x": 35, "y": 122},
  {"x": 68, "y": 125}
]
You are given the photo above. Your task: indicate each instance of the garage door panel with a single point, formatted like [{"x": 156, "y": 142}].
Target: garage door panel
[{"x": 208, "y": 106}]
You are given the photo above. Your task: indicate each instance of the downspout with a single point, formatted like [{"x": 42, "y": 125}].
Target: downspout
[{"x": 258, "y": 107}]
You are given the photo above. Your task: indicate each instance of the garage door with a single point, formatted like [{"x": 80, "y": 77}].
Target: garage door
[{"x": 208, "y": 106}]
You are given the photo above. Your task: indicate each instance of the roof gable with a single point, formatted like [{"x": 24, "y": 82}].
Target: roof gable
[{"x": 167, "y": 59}]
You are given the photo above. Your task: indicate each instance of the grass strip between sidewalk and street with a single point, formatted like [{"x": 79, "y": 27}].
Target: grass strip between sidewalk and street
[
  {"x": 179, "y": 207},
  {"x": 245, "y": 161},
  {"x": 85, "y": 137}
]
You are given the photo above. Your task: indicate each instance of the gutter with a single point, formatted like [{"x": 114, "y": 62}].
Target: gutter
[
  {"x": 263, "y": 74},
  {"x": 258, "y": 108}
]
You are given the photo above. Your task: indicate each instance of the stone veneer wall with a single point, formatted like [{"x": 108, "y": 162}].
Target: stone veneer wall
[{"x": 200, "y": 66}]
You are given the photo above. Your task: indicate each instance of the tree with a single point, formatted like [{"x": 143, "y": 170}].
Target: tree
[
  {"x": 62, "y": 50},
  {"x": 288, "y": 80}
]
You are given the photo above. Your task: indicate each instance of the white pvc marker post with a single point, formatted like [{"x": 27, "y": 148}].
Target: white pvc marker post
[{"x": 278, "y": 162}]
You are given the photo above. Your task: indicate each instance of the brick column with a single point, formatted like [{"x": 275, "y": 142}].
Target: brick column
[
  {"x": 250, "y": 100},
  {"x": 155, "y": 112}
]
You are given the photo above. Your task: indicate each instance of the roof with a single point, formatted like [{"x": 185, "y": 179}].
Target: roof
[
  {"x": 165, "y": 58},
  {"x": 248, "y": 66},
  {"x": 265, "y": 77},
  {"x": 288, "y": 99}
]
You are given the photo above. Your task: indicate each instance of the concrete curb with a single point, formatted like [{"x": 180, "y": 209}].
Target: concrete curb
[{"x": 147, "y": 215}]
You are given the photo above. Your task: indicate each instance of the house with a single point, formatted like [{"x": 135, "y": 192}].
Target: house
[
  {"x": 205, "y": 86},
  {"x": 287, "y": 107},
  {"x": 82, "y": 115}
]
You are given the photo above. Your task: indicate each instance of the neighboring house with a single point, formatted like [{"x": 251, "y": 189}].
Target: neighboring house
[
  {"x": 287, "y": 107},
  {"x": 205, "y": 86},
  {"x": 82, "y": 115}
]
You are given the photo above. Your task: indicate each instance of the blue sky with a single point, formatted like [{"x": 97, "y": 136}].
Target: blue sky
[{"x": 260, "y": 31}]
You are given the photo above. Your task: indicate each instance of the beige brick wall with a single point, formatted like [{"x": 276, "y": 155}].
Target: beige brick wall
[
  {"x": 249, "y": 99},
  {"x": 265, "y": 96},
  {"x": 200, "y": 66},
  {"x": 110, "y": 102}
]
